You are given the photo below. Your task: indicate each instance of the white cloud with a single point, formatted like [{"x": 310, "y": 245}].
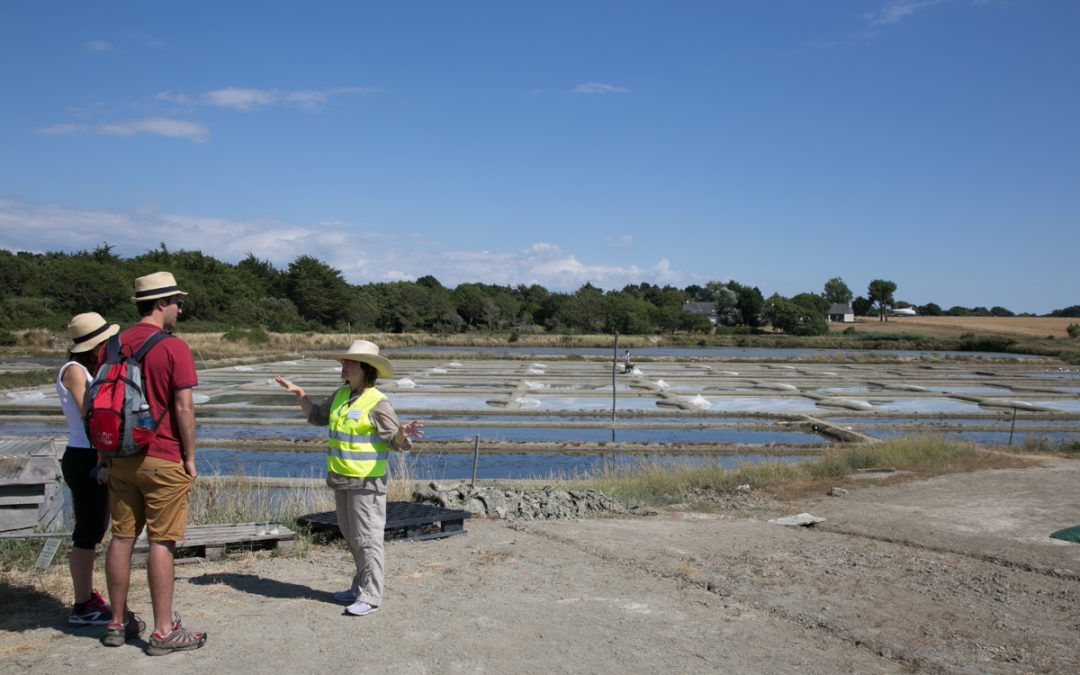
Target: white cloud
[
  {"x": 896, "y": 11},
  {"x": 363, "y": 255},
  {"x": 598, "y": 88},
  {"x": 541, "y": 247},
  {"x": 160, "y": 126},
  {"x": 150, "y": 40},
  {"x": 246, "y": 99},
  {"x": 240, "y": 99},
  {"x": 98, "y": 46}
]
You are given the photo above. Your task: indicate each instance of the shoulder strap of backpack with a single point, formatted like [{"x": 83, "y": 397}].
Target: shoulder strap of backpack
[
  {"x": 149, "y": 343},
  {"x": 112, "y": 351}
]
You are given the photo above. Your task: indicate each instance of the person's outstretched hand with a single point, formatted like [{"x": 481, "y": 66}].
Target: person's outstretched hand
[
  {"x": 289, "y": 386},
  {"x": 412, "y": 429}
]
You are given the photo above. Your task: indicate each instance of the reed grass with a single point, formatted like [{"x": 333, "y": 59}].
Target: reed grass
[
  {"x": 237, "y": 499},
  {"x": 1044, "y": 446},
  {"x": 27, "y": 378},
  {"x": 223, "y": 499},
  {"x": 651, "y": 483}
]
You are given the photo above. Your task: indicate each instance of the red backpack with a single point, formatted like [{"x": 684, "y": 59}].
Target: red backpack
[{"x": 119, "y": 421}]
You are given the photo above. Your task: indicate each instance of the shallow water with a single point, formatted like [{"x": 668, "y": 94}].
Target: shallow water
[
  {"x": 782, "y": 404},
  {"x": 1070, "y": 405},
  {"x": 924, "y": 405}
]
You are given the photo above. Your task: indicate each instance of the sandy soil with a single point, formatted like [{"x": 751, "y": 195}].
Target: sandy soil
[
  {"x": 952, "y": 326},
  {"x": 950, "y": 574}
]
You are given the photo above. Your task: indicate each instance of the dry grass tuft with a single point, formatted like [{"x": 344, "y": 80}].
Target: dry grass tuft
[{"x": 653, "y": 483}]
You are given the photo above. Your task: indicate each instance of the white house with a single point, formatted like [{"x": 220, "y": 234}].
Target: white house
[
  {"x": 706, "y": 308},
  {"x": 841, "y": 313}
]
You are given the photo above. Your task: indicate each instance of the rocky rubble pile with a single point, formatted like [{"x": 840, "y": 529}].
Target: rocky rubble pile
[{"x": 546, "y": 503}]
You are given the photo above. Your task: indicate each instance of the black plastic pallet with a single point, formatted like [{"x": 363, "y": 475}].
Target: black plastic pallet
[{"x": 411, "y": 520}]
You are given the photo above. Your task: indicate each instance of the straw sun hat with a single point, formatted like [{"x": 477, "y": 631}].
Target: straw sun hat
[
  {"x": 88, "y": 331},
  {"x": 156, "y": 285},
  {"x": 367, "y": 352}
]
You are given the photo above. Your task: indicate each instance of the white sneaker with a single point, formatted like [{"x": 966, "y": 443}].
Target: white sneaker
[
  {"x": 348, "y": 597},
  {"x": 360, "y": 608}
]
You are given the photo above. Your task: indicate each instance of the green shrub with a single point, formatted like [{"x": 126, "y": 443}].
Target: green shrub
[
  {"x": 970, "y": 342},
  {"x": 1073, "y": 329},
  {"x": 254, "y": 336}
]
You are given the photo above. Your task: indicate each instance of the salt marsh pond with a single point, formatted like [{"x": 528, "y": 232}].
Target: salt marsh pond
[{"x": 547, "y": 414}]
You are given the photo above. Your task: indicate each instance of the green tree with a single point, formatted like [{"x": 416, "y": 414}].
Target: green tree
[
  {"x": 85, "y": 282},
  {"x": 468, "y": 300},
  {"x": 796, "y": 317},
  {"x": 1072, "y": 311},
  {"x": 813, "y": 302},
  {"x": 836, "y": 291},
  {"x": 751, "y": 303},
  {"x": 881, "y": 292},
  {"x": 261, "y": 276},
  {"x": 532, "y": 299},
  {"x": 626, "y": 314},
  {"x": 319, "y": 292}
]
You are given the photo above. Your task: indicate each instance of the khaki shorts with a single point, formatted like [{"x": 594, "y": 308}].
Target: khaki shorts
[{"x": 148, "y": 491}]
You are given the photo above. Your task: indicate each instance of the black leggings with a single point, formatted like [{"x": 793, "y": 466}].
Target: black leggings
[{"x": 89, "y": 499}]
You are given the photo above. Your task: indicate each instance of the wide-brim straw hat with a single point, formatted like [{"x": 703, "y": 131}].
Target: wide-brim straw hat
[
  {"x": 156, "y": 285},
  {"x": 88, "y": 331},
  {"x": 367, "y": 352}
]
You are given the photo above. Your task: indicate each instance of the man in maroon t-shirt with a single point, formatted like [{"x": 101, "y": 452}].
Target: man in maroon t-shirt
[{"x": 151, "y": 488}]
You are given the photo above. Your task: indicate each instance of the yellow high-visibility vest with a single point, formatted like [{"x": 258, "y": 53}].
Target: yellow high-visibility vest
[{"x": 353, "y": 446}]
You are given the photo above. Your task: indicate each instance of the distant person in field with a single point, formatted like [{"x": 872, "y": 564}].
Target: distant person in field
[
  {"x": 627, "y": 366},
  {"x": 89, "y": 493},
  {"x": 362, "y": 428}
]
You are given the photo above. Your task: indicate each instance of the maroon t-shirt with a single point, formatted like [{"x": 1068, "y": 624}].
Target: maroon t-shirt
[{"x": 167, "y": 367}]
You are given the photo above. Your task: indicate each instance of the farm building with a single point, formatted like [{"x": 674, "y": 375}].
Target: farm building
[
  {"x": 706, "y": 308},
  {"x": 841, "y": 313}
]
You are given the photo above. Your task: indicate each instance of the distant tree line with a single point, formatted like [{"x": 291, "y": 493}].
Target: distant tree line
[{"x": 45, "y": 290}]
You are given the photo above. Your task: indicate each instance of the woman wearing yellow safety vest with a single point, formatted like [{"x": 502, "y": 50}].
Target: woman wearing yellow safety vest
[{"x": 362, "y": 429}]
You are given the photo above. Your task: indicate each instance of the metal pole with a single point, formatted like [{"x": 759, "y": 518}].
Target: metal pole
[
  {"x": 1012, "y": 428},
  {"x": 614, "y": 365},
  {"x": 475, "y": 457}
]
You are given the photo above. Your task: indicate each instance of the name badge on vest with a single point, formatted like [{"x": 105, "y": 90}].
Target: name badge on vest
[{"x": 354, "y": 414}]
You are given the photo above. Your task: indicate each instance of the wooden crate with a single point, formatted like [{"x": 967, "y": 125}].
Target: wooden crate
[
  {"x": 404, "y": 520},
  {"x": 31, "y": 497},
  {"x": 211, "y": 541}
]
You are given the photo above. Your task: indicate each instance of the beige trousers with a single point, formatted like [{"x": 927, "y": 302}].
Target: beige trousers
[{"x": 361, "y": 516}]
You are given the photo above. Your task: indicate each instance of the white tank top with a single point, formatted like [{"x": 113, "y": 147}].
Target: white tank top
[{"x": 76, "y": 431}]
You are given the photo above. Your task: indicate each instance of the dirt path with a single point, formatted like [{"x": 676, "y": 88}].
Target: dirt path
[{"x": 952, "y": 574}]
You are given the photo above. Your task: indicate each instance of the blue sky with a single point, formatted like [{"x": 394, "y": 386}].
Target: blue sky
[{"x": 935, "y": 143}]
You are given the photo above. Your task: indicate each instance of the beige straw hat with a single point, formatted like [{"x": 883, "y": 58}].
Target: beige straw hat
[
  {"x": 88, "y": 331},
  {"x": 367, "y": 352},
  {"x": 154, "y": 286}
]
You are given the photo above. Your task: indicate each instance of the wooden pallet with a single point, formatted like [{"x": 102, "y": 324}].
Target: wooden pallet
[
  {"x": 210, "y": 541},
  {"x": 404, "y": 520}
]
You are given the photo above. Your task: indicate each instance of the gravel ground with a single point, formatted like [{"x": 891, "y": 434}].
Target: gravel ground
[{"x": 950, "y": 574}]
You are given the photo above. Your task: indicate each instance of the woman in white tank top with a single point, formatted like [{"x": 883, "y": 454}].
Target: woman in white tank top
[{"x": 89, "y": 496}]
